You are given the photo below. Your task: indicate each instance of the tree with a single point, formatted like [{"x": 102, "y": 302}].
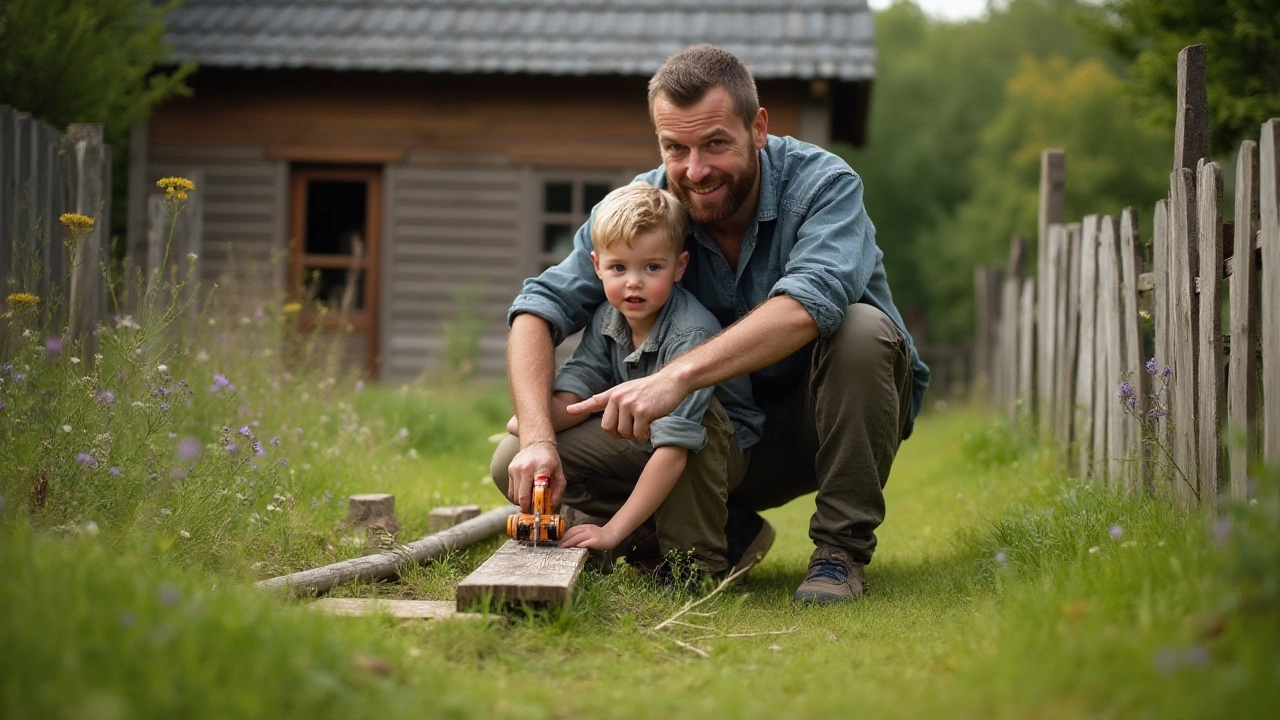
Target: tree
[
  {"x": 73, "y": 61},
  {"x": 1242, "y": 38},
  {"x": 1112, "y": 162}
]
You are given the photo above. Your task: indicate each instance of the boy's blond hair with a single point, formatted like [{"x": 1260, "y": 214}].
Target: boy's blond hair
[{"x": 634, "y": 209}]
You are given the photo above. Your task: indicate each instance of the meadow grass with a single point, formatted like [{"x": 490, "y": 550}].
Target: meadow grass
[{"x": 147, "y": 481}]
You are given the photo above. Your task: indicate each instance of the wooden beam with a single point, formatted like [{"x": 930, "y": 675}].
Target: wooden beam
[
  {"x": 423, "y": 609},
  {"x": 1246, "y": 311},
  {"x": 1191, "y": 126},
  {"x": 1184, "y": 260},
  {"x": 1269, "y": 206},
  {"x": 1211, "y": 404},
  {"x": 1134, "y": 365},
  {"x": 524, "y": 574},
  {"x": 1053, "y": 181},
  {"x": 1085, "y": 350}
]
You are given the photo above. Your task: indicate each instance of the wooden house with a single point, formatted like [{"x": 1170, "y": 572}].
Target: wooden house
[{"x": 444, "y": 150}]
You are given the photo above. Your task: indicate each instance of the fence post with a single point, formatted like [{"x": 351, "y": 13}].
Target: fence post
[
  {"x": 1053, "y": 180},
  {"x": 1184, "y": 257},
  {"x": 1106, "y": 443},
  {"x": 1191, "y": 127},
  {"x": 1211, "y": 379},
  {"x": 1009, "y": 306},
  {"x": 1085, "y": 356},
  {"x": 1070, "y": 330},
  {"x": 987, "y": 281},
  {"x": 1242, "y": 369},
  {"x": 88, "y": 299},
  {"x": 1050, "y": 317},
  {"x": 1134, "y": 472},
  {"x": 1269, "y": 206},
  {"x": 1026, "y": 348}
]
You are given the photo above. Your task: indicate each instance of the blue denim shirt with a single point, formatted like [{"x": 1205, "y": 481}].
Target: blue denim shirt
[
  {"x": 811, "y": 240},
  {"x": 606, "y": 357}
]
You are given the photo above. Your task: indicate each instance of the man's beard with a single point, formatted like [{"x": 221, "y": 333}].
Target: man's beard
[{"x": 738, "y": 189}]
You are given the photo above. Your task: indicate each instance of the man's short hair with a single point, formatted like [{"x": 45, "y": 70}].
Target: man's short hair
[
  {"x": 688, "y": 75},
  {"x": 638, "y": 208}
]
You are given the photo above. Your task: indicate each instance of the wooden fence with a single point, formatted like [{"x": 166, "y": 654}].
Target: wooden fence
[
  {"x": 1054, "y": 349},
  {"x": 44, "y": 174}
]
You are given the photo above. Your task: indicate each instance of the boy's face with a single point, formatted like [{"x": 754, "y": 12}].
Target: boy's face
[{"x": 638, "y": 279}]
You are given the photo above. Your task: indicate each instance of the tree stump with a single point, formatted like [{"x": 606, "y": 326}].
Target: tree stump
[
  {"x": 371, "y": 510},
  {"x": 443, "y": 518}
]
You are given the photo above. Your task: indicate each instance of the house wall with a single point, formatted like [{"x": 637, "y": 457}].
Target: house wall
[{"x": 462, "y": 156}]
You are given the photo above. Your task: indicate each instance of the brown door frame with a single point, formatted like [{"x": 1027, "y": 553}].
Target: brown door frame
[{"x": 363, "y": 321}]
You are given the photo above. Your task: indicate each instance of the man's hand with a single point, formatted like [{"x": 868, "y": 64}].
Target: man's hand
[
  {"x": 537, "y": 458},
  {"x": 591, "y": 537},
  {"x": 631, "y": 407}
]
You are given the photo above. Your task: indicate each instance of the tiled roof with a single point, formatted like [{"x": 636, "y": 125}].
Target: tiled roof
[{"x": 784, "y": 39}]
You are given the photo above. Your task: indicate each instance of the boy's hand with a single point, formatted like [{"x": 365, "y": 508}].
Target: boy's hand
[{"x": 591, "y": 537}]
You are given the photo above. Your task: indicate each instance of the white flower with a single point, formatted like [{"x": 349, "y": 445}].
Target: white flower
[
  {"x": 127, "y": 321},
  {"x": 202, "y": 356},
  {"x": 166, "y": 511},
  {"x": 185, "y": 534},
  {"x": 192, "y": 257},
  {"x": 66, "y": 428},
  {"x": 75, "y": 361},
  {"x": 413, "y": 453},
  {"x": 162, "y": 368}
]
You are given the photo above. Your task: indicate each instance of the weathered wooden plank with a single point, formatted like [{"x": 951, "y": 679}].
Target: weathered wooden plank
[
  {"x": 1047, "y": 332},
  {"x": 1246, "y": 312},
  {"x": 1191, "y": 127},
  {"x": 1211, "y": 382},
  {"x": 1010, "y": 305},
  {"x": 1026, "y": 348},
  {"x": 1184, "y": 257},
  {"x": 1133, "y": 367},
  {"x": 443, "y": 518},
  {"x": 1107, "y": 408},
  {"x": 1085, "y": 357},
  {"x": 1053, "y": 180},
  {"x": 408, "y": 609},
  {"x": 984, "y": 320},
  {"x": 93, "y": 198},
  {"x": 523, "y": 574},
  {"x": 1269, "y": 224},
  {"x": 1070, "y": 339},
  {"x": 386, "y": 564}
]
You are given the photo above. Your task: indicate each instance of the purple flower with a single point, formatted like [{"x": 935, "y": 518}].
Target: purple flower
[
  {"x": 258, "y": 449},
  {"x": 1156, "y": 413},
  {"x": 86, "y": 459},
  {"x": 169, "y": 594},
  {"x": 188, "y": 449},
  {"x": 1152, "y": 367},
  {"x": 254, "y": 423},
  {"x": 178, "y": 474},
  {"x": 164, "y": 407},
  {"x": 231, "y": 448},
  {"x": 1116, "y": 532},
  {"x": 1127, "y": 395},
  {"x": 114, "y": 472},
  {"x": 53, "y": 346},
  {"x": 6, "y": 367},
  {"x": 3, "y": 405},
  {"x": 106, "y": 397},
  {"x": 275, "y": 440},
  {"x": 1197, "y": 656},
  {"x": 1167, "y": 372},
  {"x": 19, "y": 377},
  {"x": 245, "y": 431},
  {"x": 220, "y": 380}
]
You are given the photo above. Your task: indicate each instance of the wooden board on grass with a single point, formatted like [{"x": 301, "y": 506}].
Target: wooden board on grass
[
  {"x": 524, "y": 574},
  {"x": 425, "y": 609}
]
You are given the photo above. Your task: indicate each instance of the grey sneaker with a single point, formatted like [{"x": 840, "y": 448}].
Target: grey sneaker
[{"x": 833, "y": 577}]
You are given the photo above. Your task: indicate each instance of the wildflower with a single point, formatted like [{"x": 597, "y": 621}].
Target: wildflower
[
  {"x": 192, "y": 257},
  {"x": 18, "y": 377},
  {"x": 258, "y": 449},
  {"x": 86, "y": 459},
  {"x": 127, "y": 321},
  {"x": 359, "y": 386},
  {"x": 1152, "y": 367},
  {"x": 1127, "y": 395},
  {"x": 1197, "y": 656},
  {"x": 275, "y": 440},
  {"x": 245, "y": 431},
  {"x": 162, "y": 369},
  {"x": 166, "y": 511},
  {"x": 1156, "y": 413},
  {"x": 1145, "y": 315},
  {"x": 106, "y": 397},
  {"x": 75, "y": 360},
  {"x": 114, "y": 472},
  {"x": 178, "y": 474},
  {"x": 231, "y": 448},
  {"x": 188, "y": 449},
  {"x": 1116, "y": 532},
  {"x": 1166, "y": 373},
  {"x": 185, "y": 535},
  {"x": 66, "y": 428},
  {"x": 175, "y": 188},
  {"x": 22, "y": 301},
  {"x": 292, "y": 308},
  {"x": 78, "y": 224},
  {"x": 164, "y": 407},
  {"x": 53, "y": 346},
  {"x": 1002, "y": 557},
  {"x": 169, "y": 592},
  {"x": 3, "y": 405}
]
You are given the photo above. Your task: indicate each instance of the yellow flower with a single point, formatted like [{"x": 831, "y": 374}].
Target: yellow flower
[
  {"x": 175, "y": 188},
  {"x": 1144, "y": 315},
  {"x": 78, "y": 224},
  {"x": 22, "y": 301},
  {"x": 291, "y": 308}
]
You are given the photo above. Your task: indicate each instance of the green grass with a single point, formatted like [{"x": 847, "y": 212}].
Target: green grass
[{"x": 998, "y": 591}]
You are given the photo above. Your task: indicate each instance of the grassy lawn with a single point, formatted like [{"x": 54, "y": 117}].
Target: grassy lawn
[{"x": 1000, "y": 589}]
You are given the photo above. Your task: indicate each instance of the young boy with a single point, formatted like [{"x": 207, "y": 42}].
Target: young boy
[{"x": 638, "y": 236}]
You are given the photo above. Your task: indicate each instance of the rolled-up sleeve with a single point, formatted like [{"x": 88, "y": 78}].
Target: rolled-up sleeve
[
  {"x": 590, "y": 369},
  {"x": 834, "y": 255},
  {"x": 564, "y": 295},
  {"x": 683, "y": 427}
]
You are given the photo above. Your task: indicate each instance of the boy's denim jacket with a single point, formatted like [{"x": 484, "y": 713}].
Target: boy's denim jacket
[
  {"x": 606, "y": 358},
  {"x": 811, "y": 240}
]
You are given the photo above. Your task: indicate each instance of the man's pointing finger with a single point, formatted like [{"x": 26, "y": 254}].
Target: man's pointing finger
[{"x": 593, "y": 404}]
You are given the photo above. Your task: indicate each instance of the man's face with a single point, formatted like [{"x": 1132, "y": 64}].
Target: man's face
[{"x": 710, "y": 156}]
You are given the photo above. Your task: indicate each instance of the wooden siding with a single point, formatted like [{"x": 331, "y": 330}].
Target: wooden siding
[
  {"x": 244, "y": 214},
  {"x": 453, "y": 235}
]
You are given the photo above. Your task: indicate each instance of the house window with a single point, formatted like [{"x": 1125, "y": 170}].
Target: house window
[{"x": 564, "y": 204}]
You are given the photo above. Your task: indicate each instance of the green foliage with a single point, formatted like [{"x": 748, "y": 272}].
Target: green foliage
[
  {"x": 89, "y": 61},
  {"x": 1112, "y": 162},
  {"x": 1242, "y": 38}
]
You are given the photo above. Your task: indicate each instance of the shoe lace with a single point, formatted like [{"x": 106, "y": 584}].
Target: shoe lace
[{"x": 828, "y": 568}]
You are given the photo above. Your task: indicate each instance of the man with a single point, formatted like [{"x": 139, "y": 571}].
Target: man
[{"x": 783, "y": 253}]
